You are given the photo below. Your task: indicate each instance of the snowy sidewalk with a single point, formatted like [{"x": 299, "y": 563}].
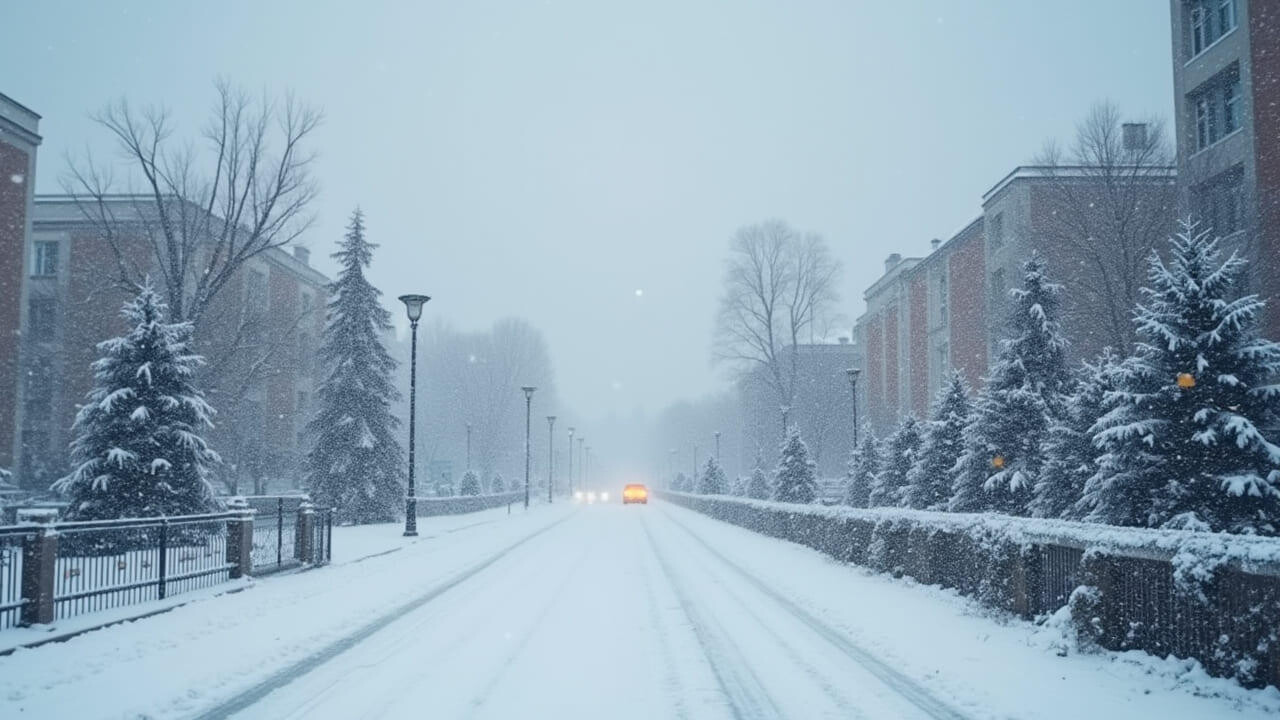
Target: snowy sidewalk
[{"x": 175, "y": 664}]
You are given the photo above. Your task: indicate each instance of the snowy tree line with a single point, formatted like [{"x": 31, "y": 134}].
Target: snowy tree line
[{"x": 1177, "y": 434}]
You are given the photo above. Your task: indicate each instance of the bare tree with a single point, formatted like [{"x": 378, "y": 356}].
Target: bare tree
[
  {"x": 779, "y": 291},
  {"x": 200, "y": 217},
  {"x": 1112, "y": 203}
]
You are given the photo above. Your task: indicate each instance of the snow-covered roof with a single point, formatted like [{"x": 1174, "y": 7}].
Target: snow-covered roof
[{"x": 1023, "y": 172}]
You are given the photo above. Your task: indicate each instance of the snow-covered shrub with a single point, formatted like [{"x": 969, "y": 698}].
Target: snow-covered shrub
[
  {"x": 942, "y": 441},
  {"x": 794, "y": 481},
  {"x": 900, "y": 453},
  {"x": 138, "y": 450},
  {"x": 712, "y": 480},
  {"x": 470, "y": 484},
  {"x": 864, "y": 467}
]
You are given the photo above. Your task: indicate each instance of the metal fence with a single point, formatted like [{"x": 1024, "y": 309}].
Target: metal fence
[
  {"x": 56, "y": 570},
  {"x": 107, "y": 564},
  {"x": 275, "y": 539},
  {"x": 11, "y": 544},
  {"x": 460, "y": 504}
]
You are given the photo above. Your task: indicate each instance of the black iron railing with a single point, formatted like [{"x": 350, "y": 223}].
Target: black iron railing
[{"x": 11, "y": 600}]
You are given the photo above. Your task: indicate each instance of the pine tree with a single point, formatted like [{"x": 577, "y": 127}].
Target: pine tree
[
  {"x": 929, "y": 479},
  {"x": 681, "y": 483},
  {"x": 864, "y": 469},
  {"x": 1070, "y": 453},
  {"x": 712, "y": 481},
  {"x": 794, "y": 481},
  {"x": 1004, "y": 453},
  {"x": 498, "y": 485},
  {"x": 470, "y": 484},
  {"x": 1184, "y": 445},
  {"x": 758, "y": 487},
  {"x": 355, "y": 463},
  {"x": 899, "y": 455},
  {"x": 138, "y": 450}
]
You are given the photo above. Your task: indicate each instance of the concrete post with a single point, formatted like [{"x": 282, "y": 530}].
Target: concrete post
[
  {"x": 240, "y": 539},
  {"x": 304, "y": 540},
  {"x": 39, "y": 562}
]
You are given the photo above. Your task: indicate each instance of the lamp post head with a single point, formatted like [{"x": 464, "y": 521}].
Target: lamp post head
[
  {"x": 551, "y": 419},
  {"x": 570, "y": 433},
  {"x": 413, "y": 305},
  {"x": 853, "y": 374},
  {"x": 528, "y": 391}
]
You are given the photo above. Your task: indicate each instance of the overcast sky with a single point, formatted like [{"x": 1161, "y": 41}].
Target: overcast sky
[{"x": 582, "y": 164}]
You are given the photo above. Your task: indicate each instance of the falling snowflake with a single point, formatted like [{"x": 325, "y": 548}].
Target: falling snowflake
[{"x": 17, "y": 178}]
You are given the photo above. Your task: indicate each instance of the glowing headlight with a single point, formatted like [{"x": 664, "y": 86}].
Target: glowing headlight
[
  {"x": 577, "y": 495},
  {"x": 604, "y": 497}
]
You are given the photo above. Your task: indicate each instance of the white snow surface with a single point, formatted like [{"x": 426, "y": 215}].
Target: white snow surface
[{"x": 592, "y": 612}]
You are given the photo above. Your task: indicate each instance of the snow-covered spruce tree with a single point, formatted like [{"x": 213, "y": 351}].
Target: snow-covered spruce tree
[
  {"x": 1025, "y": 392},
  {"x": 355, "y": 463},
  {"x": 794, "y": 480},
  {"x": 498, "y": 485},
  {"x": 713, "y": 480},
  {"x": 681, "y": 483},
  {"x": 864, "y": 468},
  {"x": 470, "y": 484},
  {"x": 137, "y": 450},
  {"x": 929, "y": 479},
  {"x": 1184, "y": 445},
  {"x": 900, "y": 452},
  {"x": 758, "y": 487},
  {"x": 1070, "y": 453}
]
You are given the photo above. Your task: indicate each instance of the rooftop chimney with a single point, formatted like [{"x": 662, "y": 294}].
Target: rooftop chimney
[
  {"x": 1134, "y": 136},
  {"x": 892, "y": 261},
  {"x": 303, "y": 254},
  {"x": 935, "y": 244}
]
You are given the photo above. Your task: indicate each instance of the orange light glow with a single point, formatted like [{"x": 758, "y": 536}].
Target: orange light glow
[{"x": 1186, "y": 380}]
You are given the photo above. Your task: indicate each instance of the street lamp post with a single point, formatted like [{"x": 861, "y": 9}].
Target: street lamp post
[
  {"x": 570, "y": 462},
  {"x": 413, "y": 308},
  {"x": 582, "y": 462},
  {"x": 468, "y": 446},
  {"x": 853, "y": 388},
  {"x": 528, "y": 418},
  {"x": 551, "y": 455},
  {"x": 717, "y": 446}
]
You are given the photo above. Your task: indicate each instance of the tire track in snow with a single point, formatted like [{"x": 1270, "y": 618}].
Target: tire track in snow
[
  {"x": 746, "y": 695},
  {"x": 288, "y": 674},
  {"x": 895, "y": 680}
]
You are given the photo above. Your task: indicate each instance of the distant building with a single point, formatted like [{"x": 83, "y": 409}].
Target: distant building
[
  {"x": 929, "y": 315},
  {"x": 1226, "y": 79},
  {"x": 259, "y": 338},
  {"x": 822, "y": 410},
  {"x": 19, "y": 139}
]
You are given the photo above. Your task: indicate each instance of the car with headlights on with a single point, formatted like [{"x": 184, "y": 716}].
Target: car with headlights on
[{"x": 635, "y": 493}]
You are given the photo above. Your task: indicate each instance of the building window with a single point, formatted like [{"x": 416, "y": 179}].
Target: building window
[
  {"x": 942, "y": 298},
  {"x": 1210, "y": 20},
  {"x": 45, "y": 262},
  {"x": 997, "y": 231},
  {"x": 42, "y": 319},
  {"x": 1218, "y": 202},
  {"x": 1217, "y": 107}
]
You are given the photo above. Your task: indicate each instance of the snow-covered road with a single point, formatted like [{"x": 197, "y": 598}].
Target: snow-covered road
[{"x": 589, "y": 612}]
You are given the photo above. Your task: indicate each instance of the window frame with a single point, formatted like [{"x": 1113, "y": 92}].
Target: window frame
[{"x": 44, "y": 258}]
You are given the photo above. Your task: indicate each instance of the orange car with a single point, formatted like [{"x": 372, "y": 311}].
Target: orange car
[{"x": 635, "y": 493}]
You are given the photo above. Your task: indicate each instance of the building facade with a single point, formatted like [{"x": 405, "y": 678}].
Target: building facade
[
  {"x": 1226, "y": 76},
  {"x": 944, "y": 311},
  {"x": 19, "y": 139},
  {"x": 259, "y": 339}
]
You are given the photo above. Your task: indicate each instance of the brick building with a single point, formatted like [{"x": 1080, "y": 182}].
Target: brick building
[
  {"x": 259, "y": 339},
  {"x": 1226, "y": 77},
  {"x": 19, "y": 139},
  {"x": 928, "y": 315}
]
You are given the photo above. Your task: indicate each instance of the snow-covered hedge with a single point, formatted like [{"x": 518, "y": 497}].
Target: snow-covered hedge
[
  {"x": 1210, "y": 596},
  {"x": 460, "y": 504}
]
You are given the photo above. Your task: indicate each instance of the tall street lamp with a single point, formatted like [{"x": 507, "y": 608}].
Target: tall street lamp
[
  {"x": 468, "y": 446},
  {"x": 717, "y": 446},
  {"x": 853, "y": 387},
  {"x": 551, "y": 455},
  {"x": 528, "y": 417},
  {"x": 413, "y": 308},
  {"x": 570, "y": 462}
]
